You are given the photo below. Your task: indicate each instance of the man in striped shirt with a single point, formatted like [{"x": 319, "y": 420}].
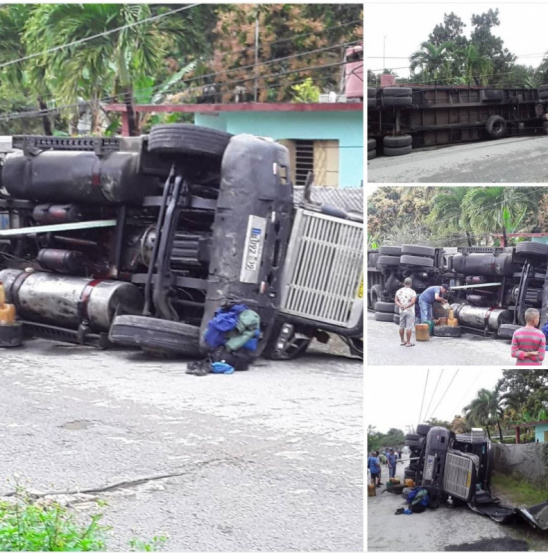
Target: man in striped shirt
[{"x": 529, "y": 343}]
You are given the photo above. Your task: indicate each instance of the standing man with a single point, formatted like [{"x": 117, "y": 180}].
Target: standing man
[
  {"x": 428, "y": 297},
  {"x": 374, "y": 466},
  {"x": 392, "y": 462},
  {"x": 406, "y": 298},
  {"x": 529, "y": 343}
]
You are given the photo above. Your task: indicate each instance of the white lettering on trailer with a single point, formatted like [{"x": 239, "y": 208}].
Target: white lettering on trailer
[{"x": 253, "y": 250}]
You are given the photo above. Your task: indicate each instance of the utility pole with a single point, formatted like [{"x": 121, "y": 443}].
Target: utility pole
[
  {"x": 255, "y": 88},
  {"x": 383, "y": 53}
]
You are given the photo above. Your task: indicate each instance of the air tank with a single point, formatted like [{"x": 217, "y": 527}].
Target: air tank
[
  {"x": 65, "y": 301},
  {"x": 480, "y": 317},
  {"x": 484, "y": 264}
]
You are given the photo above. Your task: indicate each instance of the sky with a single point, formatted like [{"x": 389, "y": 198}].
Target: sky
[
  {"x": 393, "y": 397},
  {"x": 406, "y": 24}
]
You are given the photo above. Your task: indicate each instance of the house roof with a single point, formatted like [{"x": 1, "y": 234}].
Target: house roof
[
  {"x": 243, "y": 107},
  {"x": 523, "y": 424}
]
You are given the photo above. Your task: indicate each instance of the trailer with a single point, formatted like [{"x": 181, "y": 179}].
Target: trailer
[
  {"x": 404, "y": 117},
  {"x": 490, "y": 287},
  {"x": 139, "y": 242}
]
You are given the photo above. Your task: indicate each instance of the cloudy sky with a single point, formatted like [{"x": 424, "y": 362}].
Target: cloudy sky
[
  {"x": 407, "y": 24},
  {"x": 393, "y": 397}
]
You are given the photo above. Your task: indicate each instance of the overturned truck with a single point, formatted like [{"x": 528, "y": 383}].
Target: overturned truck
[
  {"x": 490, "y": 287},
  {"x": 140, "y": 241},
  {"x": 457, "y": 469}
]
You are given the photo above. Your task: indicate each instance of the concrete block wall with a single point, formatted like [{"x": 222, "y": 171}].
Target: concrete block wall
[{"x": 528, "y": 459}]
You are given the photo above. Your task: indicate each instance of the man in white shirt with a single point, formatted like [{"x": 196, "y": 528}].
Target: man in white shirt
[{"x": 406, "y": 298}]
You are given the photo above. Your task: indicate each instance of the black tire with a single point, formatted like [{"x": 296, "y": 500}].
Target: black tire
[
  {"x": 407, "y": 473},
  {"x": 397, "y": 91},
  {"x": 397, "y": 488},
  {"x": 382, "y": 306},
  {"x": 447, "y": 331},
  {"x": 396, "y": 319},
  {"x": 496, "y": 127},
  {"x": 423, "y": 429},
  {"x": 543, "y": 88},
  {"x": 401, "y": 151},
  {"x": 418, "y": 250},
  {"x": 371, "y": 92},
  {"x": 371, "y": 102},
  {"x": 155, "y": 334},
  {"x": 543, "y": 95},
  {"x": 383, "y": 317},
  {"x": 11, "y": 335},
  {"x": 372, "y": 258},
  {"x": 397, "y": 141},
  {"x": 530, "y": 247},
  {"x": 390, "y": 251},
  {"x": 416, "y": 261},
  {"x": 416, "y": 443},
  {"x": 183, "y": 138},
  {"x": 371, "y": 154},
  {"x": 397, "y": 101},
  {"x": 545, "y": 127},
  {"x": 412, "y": 436},
  {"x": 388, "y": 261},
  {"x": 506, "y": 331},
  {"x": 494, "y": 94},
  {"x": 371, "y": 144},
  {"x": 375, "y": 294}
]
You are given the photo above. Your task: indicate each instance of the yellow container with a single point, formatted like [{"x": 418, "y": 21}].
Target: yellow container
[
  {"x": 371, "y": 490},
  {"x": 2, "y": 294},
  {"x": 7, "y": 314},
  {"x": 409, "y": 483},
  {"x": 450, "y": 316},
  {"x": 453, "y": 322},
  {"x": 422, "y": 332}
]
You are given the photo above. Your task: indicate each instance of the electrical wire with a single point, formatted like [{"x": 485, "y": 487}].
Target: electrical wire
[
  {"x": 434, "y": 393},
  {"x": 444, "y": 393},
  {"x": 423, "y": 394}
]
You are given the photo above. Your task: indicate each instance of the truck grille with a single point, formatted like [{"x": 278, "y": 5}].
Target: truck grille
[
  {"x": 324, "y": 270},
  {"x": 458, "y": 476}
]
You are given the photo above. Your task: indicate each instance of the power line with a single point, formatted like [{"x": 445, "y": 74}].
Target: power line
[
  {"x": 423, "y": 394},
  {"x": 434, "y": 393},
  {"x": 455, "y": 375}
]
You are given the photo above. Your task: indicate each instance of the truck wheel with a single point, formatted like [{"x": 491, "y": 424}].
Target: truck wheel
[
  {"x": 371, "y": 144},
  {"x": 183, "y": 138},
  {"x": 417, "y": 443},
  {"x": 375, "y": 294},
  {"x": 382, "y": 306},
  {"x": 371, "y": 102},
  {"x": 496, "y": 127},
  {"x": 447, "y": 331},
  {"x": 397, "y": 101},
  {"x": 397, "y": 91},
  {"x": 545, "y": 127},
  {"x": 423, "y": 429},
  {"x": 543, "y": 95},
  {"x": 530, "y": 247},
  {"x": 397, "y": 141},
  {"x": 371, "y": 92},
  {"x": 371, "y": 154},
  {"x": 401, "y": 151},
  {"x": 412, "y": 436},
  {"x": 156, "y": 334},
  {"x": 11, "y": 335},
  {"x": 390, "y": 251},
  {"x": 506, "y": 331},
  {"x": 388, "y": 261},
  {"x": 418, "y": 250},
  {"x": 384, "y": 317},
  {"x": 543, "y": 88},
  {"x": 416, "y": 261}
]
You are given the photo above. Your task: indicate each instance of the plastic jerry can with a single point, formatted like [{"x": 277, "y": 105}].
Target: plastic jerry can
[
  {"x": 422, "y": 332},
  {"x": 371, "y": 490}
]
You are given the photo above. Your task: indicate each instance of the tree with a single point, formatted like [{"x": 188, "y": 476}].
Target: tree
[
  {"x": 448, "y": 215},
  {"x": 459, "y": 425},
  {"x": 477, "y": 67},
  {"x": 430, "y": 58},
  {"x": 524, "y": 393},
  {"x": 486, "y": 410},
  {"x": 433, "y": 421},
  {"x": 451, "y": 30}
]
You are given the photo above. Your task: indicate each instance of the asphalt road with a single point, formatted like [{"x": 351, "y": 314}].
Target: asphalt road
[
  {"x": 383, "y": 348},
  {"x": 269, "y": 459},
  {"x": 511, "y": 160},
  {"x": 433, "y": 530}
]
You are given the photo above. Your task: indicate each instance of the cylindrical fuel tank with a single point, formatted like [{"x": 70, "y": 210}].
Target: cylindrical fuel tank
[
  {"x": 478, "y": 317},
  {"x": 484, "y": 264},
  {"x": 83, "y": 177},
  {"x": 65, "y": 301},
  {"x": 56, "y": 214},
  {"x": 63, "y": 261}
]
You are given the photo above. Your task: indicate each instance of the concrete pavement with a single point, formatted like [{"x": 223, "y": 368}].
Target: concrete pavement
[
  {"x": 383, "y": 349},
  {"x": 269, "y": 459},
  {"x": 510, "y": 160}
]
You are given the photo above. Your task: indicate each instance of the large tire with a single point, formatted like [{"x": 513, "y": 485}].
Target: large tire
[
  {"x": 371, "y": 92},
  {"x": 375, "y": 294},
  {"x": 447, "y": 331},
  {"x": 397, "y": 91},
  {"x": 506, "y": 331},
  {"x": 530, "y": 247},
  {"x": 11, "y": 335},
  {"x": 183, "y": 138},
  {"x": 412, "y": 436},
  {"x": 371, "y": 102},
  {"x": 390, "y": 251},
  {"x": 423, "y": 429},
  {"x": 397, "y": 141},
  {"x": 371, "y": 154},
  {"x": 382, "y": 306},
  {"x": 371, "y": 144},
  {"x": 408, "y": 473},
  {"x": 543, "y": 88},
  {"x": 421, "y": 261},
  {"x": 384, "y": 317},
  {"x": 156, "y": 334},
  {"x": 397, "y": 101},
  {"x": 543, "y": 95},
  {"x": 396, "y": 319},
  {"x": 401, "y": 151},
  {"x": 418, "y": 250},
  {"x": 416, "y": 443},
  {"x": 496, "y": 127},
  {"x": 545, "y": 127},
  {"x": 388, "y": 261}
]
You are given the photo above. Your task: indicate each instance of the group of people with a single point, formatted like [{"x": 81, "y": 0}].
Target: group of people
[
  {"x": 374, "y": 465},
  {"x": 406, "y": 299},
  {"x": 528, "y": 342}
]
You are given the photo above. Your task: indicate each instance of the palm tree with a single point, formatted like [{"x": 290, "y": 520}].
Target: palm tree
[
  {"x": 485, "y": 410},
  {"x": 476, "y": 66},
  {"x": 447, "y": 213},
  {"x": 107, "y": 63},
  {"x": 430, "y": 58},
  {"x": 503, "y": 209}
]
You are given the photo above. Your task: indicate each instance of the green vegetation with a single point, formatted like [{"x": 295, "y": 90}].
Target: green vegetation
[
  {"x": 519, "y": 490},
  {"x": 376, "y": 440}
]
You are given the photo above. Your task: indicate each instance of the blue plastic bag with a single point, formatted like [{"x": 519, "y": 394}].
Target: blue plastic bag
[{"x": 221, "y": 368}]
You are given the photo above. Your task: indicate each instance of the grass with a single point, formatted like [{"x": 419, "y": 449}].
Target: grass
[{"x": 519, "y": 490}]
